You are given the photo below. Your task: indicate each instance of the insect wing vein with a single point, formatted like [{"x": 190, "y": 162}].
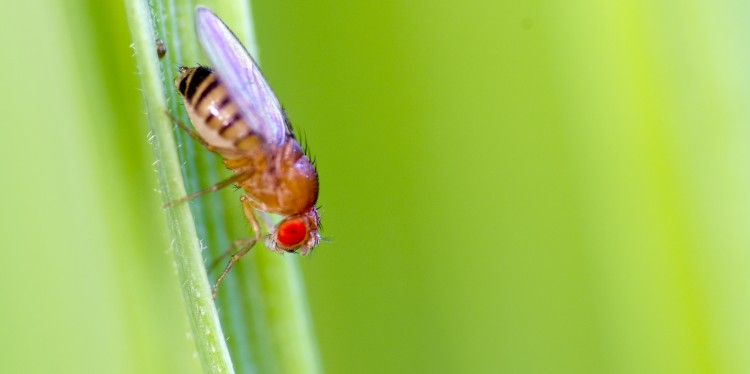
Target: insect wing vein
[{"x": 241, "y": 77}]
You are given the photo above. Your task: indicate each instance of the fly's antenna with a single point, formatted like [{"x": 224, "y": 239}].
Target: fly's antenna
[{"x": 327, "y": 239}]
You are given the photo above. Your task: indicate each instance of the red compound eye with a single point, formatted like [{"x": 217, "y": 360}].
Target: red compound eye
[{"x": 291, "y": 233}]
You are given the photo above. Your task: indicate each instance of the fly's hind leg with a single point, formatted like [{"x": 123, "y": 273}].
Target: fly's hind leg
[{"x": 246, "y": 244}]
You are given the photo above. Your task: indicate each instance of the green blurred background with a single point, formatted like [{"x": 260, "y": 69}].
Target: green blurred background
[{"x": 510, "y": 187}]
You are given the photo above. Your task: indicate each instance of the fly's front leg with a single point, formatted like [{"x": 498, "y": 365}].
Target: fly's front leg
[{"x": 248, "y": 209}]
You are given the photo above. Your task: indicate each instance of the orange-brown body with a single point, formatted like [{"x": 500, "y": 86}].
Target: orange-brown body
[
  {"x": 276, "y": 179},
  {"x": 281, "y": 180}
]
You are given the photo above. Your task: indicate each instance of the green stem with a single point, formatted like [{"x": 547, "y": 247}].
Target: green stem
[
  {"x": 204, "y": 321},
  {"x": 287, "y": 313}
]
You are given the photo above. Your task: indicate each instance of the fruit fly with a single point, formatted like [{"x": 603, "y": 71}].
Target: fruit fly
[{"x": 236, "y": 115}]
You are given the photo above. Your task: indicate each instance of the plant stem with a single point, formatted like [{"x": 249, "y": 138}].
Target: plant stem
[{"x": 204, "y": 321}]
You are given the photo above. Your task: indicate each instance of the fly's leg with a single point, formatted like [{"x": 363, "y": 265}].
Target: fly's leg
[
  {"x": 197, "y": 137},
  {"x": 239, "y": 243},
  {"x": 266, "y": 219},
  {"x": 248, "y": 209},
  {"x": 226, "y": 182}
]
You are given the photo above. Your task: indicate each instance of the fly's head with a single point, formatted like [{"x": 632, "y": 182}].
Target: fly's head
[
  {"x": 296, "y": 233},
  {"x": 297, "y": 191}
]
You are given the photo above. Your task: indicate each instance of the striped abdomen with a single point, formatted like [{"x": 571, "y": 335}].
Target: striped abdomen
[{"x": 213, "y": 113}]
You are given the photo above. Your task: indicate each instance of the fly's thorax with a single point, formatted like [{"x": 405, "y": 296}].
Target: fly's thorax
[
  {"x": 286, "y": 184},
  {"x": 298, "y": 179},
  {"x": 213, "y": 114}
]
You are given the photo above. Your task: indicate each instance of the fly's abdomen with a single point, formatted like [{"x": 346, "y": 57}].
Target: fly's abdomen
[{"x": 212, "y": 112}]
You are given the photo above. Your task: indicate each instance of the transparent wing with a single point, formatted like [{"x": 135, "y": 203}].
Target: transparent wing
[{"x": 240, "y": 75}]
